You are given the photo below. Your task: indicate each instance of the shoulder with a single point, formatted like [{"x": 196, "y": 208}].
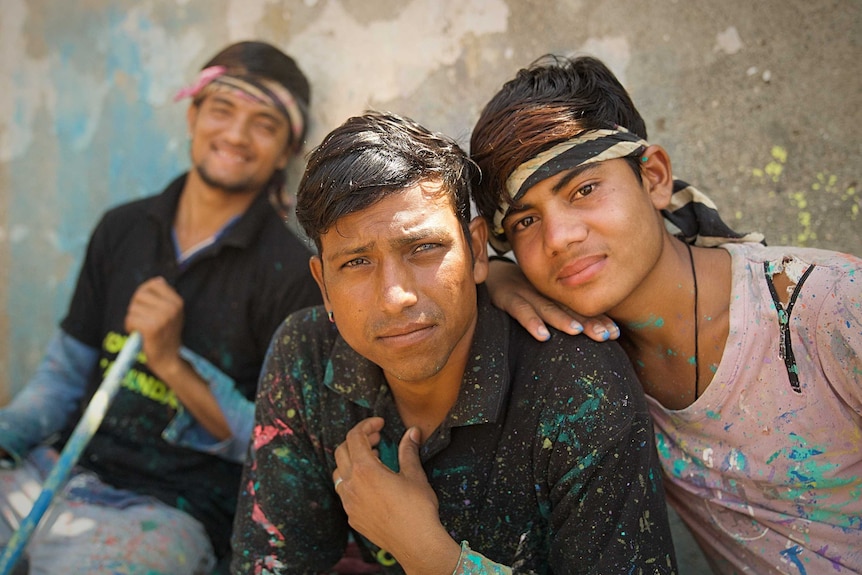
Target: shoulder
[
  {"x": 122, "y": 224},
  {"x": 575, "y": 372},
  {"x": 835, "y": 275},
  {"x": 306, "y": 329},
  {"x": 122, "y": 216},
  {"x": 564, "y": 353},
  {"x": 782, "y": 256}
]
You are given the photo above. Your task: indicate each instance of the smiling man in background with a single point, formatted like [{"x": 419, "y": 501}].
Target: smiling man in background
[{"x": 205, "y": 271}]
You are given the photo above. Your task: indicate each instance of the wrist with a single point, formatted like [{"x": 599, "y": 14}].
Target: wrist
[
  {"x": 169, "y": 368},
  {"x": 440, "y": 557}
]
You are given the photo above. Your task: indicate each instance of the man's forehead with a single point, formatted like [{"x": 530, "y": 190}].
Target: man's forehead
[
  {"x": 399, "y": 217},
  {"x": 239, "y": 98}
]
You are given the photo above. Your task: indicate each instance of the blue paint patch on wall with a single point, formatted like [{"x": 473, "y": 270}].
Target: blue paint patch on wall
[{"x": 102, "y": 153}]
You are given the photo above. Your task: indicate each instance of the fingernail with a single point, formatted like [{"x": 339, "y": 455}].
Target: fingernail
[
  {"x": 602, "y": 332},
  {"x": 576, "y": 327},
  {"x": 543, "y": 333}
]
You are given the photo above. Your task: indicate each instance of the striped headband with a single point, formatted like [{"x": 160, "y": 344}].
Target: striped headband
[
  {"x": 587, "y": 148},
  {"x": 691, "y": 215},
  {"x": 257, "y": 89}
]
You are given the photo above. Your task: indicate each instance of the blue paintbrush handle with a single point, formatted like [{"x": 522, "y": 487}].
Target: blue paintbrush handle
[{"x": 87, "y": 426}]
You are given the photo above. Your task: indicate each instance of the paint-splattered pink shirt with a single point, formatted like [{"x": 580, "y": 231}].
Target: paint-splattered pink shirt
[{"x": 768, "y": 478}]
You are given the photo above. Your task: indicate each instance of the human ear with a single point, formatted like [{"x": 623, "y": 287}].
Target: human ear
[
  {"x": 191, "y": 118},
  {"x": 479, "y": 245},
  {"x": 657, "y": 175},
  {"x": 316, "y": 266}
]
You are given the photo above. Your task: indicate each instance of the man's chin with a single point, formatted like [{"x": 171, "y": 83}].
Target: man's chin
[{"x": 228, "y": 187}]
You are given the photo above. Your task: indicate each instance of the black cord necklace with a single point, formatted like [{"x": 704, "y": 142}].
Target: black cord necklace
[{"x": 696, "y": 370}]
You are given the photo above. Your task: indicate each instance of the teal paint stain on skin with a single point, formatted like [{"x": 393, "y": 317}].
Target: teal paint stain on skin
[
  {"x": 679, "y": 466},
  {"x": 692, "y": 360},
  {"x": 713, "y": 415},
  {"x": 148, "y": 525},
  {"x": 651, "y": 322}
]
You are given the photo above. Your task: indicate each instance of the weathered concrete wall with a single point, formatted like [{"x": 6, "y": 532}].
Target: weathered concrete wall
[{"x": 757, "y": 102}]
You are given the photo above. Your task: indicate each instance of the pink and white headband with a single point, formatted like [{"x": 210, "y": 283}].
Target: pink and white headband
[{"x": 256, "y": 88}]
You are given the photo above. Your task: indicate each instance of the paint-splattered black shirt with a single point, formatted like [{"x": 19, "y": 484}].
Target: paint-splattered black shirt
[{"x": 546, "y": 463}]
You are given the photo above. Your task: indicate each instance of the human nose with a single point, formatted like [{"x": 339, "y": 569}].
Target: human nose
[
  {"x": 562, "y": 229},
  {"x": 237, "y": 131},
  {"x": 396, "y": 287}
]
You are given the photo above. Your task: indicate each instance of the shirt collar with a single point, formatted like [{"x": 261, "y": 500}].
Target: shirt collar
[
  {"x": 484, "y": 386},
  {"x": 240, "y": 234}
]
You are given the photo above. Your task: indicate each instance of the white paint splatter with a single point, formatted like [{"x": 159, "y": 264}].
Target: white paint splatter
[
  {"x": 707, "y": 457},
  {"x": 728, "y": 41}
]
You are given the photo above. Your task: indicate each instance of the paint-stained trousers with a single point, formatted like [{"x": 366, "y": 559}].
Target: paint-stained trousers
[{"x": 142, "y": 536}]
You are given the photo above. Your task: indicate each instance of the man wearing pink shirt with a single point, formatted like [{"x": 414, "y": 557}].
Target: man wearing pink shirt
[{"x": 749, "y": 355}]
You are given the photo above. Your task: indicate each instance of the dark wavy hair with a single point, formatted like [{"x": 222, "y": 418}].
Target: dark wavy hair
[
  {"x": 553, "y": 100},
  {"x": 372, "y": 156}
]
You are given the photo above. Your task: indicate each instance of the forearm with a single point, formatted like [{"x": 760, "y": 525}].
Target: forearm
[
  {"x": 49, "y": 399},
  {"x": 238, "y": 411},
  {"x": 194, "y": 394}
]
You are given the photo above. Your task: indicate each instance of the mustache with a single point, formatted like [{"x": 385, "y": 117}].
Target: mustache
[{"x": 405, "y": 319}]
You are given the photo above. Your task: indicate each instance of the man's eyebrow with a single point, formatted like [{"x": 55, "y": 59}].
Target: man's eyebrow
[
  {"x": 424, "y": 234},
  {"x": 218, "y": 98},
  {"x": 268, "y": 111},
  {"x": 571, "y": 174},
  {"x": 436, "y": 233},
  {"x": 574, "y": 173}
]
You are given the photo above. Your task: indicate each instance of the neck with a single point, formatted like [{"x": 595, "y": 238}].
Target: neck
[
  {"x": 659, "y": 326},
  {"x": 202, "y": 210},
  {"x": 426, "y": 403}
]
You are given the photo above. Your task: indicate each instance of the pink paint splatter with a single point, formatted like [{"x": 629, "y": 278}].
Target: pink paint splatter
[
  {"x": 264, "y": 434},
  {"x": 258, "y": 517}
]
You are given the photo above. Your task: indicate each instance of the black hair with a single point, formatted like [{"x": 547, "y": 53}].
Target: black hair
[{"x": 371, "y": 156}]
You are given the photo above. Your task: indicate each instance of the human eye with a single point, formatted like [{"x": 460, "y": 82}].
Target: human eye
[
  {"x": 583, "y": 191},
  {"x": 354, "y": 263},
  {"x": 523, "y": 223},
  {"x": 426, "y": 246},
  {"x": 219, "y": 109},
  {"x": 267, "y": 126}
]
